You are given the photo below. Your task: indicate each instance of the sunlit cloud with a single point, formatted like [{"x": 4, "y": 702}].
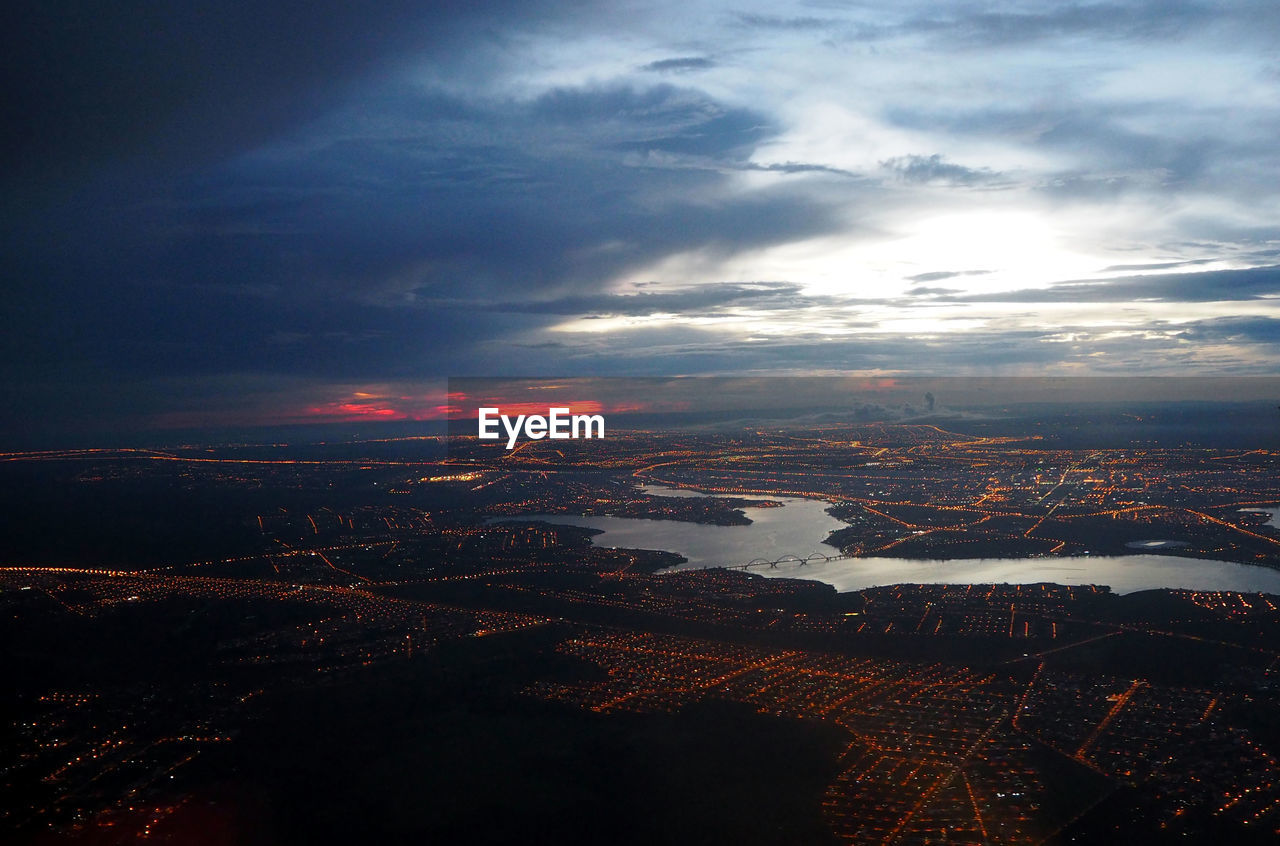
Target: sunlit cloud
[{"x": 664, "y": 188}]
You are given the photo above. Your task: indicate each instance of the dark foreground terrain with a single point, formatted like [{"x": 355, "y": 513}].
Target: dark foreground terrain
[{"x": 259, "y": 645}]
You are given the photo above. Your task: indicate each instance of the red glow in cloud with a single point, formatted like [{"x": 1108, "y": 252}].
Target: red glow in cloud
[
  {"x": 344, "y": 411},
  {"x": 396, "y": 408},
  {"x": 373, "y": 404}
]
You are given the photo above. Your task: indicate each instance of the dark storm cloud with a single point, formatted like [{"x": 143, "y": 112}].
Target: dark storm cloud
[
  {"x": 408, "y": 232},
  {"x": 563, "y": 192},
  {"x": 254, "y": 196},
  {"x": 682, "y": 64},
  {"x": 1207, "y": 286},
  {"x": 661, "y": 118},
  {"x": 172, "y": 84},
  {"x": 167, "y": 331}
]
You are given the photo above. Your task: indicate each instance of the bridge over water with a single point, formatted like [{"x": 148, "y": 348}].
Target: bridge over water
[{"x": 811, "y": 558}]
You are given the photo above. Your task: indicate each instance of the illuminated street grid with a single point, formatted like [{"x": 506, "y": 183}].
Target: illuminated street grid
[
  {"x": 938, "y": 751},
  {"x": 1140, "y": 732},
  {"x": 932, "y": 747},
  {"x": 981, "y": 746}
]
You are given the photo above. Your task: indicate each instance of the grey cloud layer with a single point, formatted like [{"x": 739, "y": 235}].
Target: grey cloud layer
[
  {"x": 1257, "y": 283},
  {"x": 306, "y": 192}
]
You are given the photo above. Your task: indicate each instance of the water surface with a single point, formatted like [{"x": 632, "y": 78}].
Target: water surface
[{"x": 800, "y": 526}]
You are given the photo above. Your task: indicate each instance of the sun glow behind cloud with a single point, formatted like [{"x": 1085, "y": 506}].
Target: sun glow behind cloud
[{"x": 661, "y": 187}]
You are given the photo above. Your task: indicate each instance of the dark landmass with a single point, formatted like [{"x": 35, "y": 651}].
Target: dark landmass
[{"x": 242, "y": 645}]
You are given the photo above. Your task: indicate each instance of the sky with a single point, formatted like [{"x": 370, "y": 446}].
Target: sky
[{"x": 227, "y": 213}]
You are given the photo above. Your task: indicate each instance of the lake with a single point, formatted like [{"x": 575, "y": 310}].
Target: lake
[{"x": 801, "y": 525}]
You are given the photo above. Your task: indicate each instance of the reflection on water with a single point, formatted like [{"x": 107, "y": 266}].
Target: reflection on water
[
  {"x": 1123, "y": 573},
  {"x": 798, "y": 528},
  {"x": 1155, "y": 544},
  {"x": 681, "y": 493},
  {"x": 801, "y": 525}
]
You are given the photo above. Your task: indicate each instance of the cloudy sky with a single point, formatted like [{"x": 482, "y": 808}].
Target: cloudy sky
[{"x": 231, "y": 213}]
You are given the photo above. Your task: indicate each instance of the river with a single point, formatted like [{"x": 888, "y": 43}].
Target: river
[{"x": 801, "y": 525}]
